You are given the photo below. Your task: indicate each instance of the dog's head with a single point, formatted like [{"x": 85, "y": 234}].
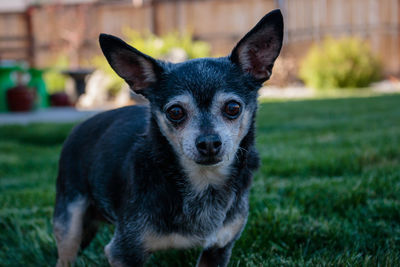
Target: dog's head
[{"x": 204, "y": 107}]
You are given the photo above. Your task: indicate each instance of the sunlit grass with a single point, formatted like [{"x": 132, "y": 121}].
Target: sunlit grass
[
  {"x": 302, "y": 94},
  {"x": 327, "y": 193}
]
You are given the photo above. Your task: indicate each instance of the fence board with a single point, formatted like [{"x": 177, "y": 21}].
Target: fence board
[
  {"x": 14, "y": 44},
  {"x": 221, "y": 23}
]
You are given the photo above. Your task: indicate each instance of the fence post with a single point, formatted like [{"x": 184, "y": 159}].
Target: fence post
[{"x": 30, "y": 37}]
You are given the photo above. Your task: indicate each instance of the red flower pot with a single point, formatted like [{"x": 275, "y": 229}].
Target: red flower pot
[
  {"x": 59, "y": 100},
  {"x": 20, "y": 98}
]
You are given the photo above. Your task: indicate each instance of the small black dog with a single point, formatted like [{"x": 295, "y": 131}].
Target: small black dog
[{"x": 175, "y": 174}]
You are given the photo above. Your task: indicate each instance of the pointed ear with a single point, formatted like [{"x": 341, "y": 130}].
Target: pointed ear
[
  {"x": 257, "y": 51},
  {"x": 137, "y": 69}
]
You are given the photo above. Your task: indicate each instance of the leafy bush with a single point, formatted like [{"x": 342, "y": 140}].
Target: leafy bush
[
  {"x": 55, "y": 81},
  {"x": 343, "y": 63},
  {"x": 154, "y": 46}
]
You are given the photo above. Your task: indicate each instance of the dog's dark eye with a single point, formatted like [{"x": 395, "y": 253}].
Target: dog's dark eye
[
  {"x": 232, "y": 109},
  {"x": 175, "y": 113}
]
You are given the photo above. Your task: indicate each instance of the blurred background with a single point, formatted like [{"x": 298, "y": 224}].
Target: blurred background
[{"x": 51, "y": 46}]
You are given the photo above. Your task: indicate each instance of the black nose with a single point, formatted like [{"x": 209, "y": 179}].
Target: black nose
[{"x": 208, "y": 145}]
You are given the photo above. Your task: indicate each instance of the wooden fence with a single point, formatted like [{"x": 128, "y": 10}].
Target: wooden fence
[
  {"x": 72, "y": 30},
  {"x": 15, "y": 38},
  {"x": 375, "y": 21}
]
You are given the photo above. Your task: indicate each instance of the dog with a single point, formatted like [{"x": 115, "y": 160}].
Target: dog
[{"x": 175, "y": 174}]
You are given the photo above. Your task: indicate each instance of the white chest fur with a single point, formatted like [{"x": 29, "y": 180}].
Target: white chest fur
[
  {"x": 226, "y": 233},
  {"x": 154, "y": 241},
  {"x": 221, "y": 237}
]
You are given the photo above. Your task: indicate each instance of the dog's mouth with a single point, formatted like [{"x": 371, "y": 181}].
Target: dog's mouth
[{"x": 209, "y": 161}]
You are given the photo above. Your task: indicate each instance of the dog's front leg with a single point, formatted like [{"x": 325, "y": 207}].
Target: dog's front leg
[
  {"x": 125, "y": 250},
  {"x": 216, "y": 256}
]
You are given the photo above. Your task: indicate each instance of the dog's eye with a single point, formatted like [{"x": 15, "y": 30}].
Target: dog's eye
[
  {"x": 232, "y": 109},
  {"x": 175, "y": 113}
]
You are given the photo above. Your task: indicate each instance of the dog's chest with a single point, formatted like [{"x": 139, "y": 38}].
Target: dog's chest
[
  {"x": 220, "y": 237},
  {"x": 202, "y": 221},
  {"x": 205, "y": 212}
]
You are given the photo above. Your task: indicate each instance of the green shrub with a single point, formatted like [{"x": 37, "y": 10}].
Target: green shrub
[
  {"x": 55, "y": 81},
  {"x": 342, "y": 63},
  {"x": 154, "y": 46}
]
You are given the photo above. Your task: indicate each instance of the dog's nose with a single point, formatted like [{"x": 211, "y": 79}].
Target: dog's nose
[{"x": 208, "y": 145}]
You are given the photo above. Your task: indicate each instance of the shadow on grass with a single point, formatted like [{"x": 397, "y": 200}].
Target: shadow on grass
[{"x": 36, "y": 134}]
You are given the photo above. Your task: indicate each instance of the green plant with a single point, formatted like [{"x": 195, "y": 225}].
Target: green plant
[
  {"x": 154, "y": 46},
  {"x": 342, "y": 63},
  {"x": 55, "y": 81}
]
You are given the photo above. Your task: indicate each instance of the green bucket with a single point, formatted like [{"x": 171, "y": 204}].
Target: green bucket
[
  {"x": 38, "y": 83},
  {"x": 6, "y": 82}
]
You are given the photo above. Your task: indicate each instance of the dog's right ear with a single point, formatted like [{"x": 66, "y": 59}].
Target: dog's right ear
[{"x": 140, "y": 71}]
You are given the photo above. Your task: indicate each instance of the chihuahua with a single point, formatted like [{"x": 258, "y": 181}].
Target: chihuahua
[{"x": 176, "y": 173}]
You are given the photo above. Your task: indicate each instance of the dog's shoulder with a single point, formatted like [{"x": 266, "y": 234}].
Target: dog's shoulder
[{"x": 106, "y": 126}]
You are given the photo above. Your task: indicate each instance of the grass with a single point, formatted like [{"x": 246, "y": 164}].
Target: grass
[{"x": 327, "y": 194}]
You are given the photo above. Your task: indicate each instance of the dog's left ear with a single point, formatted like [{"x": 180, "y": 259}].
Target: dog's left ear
[{"x": 257, "y": 51}]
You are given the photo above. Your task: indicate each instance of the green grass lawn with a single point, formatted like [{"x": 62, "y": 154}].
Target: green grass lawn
[{"x": 327, "y": 194}]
